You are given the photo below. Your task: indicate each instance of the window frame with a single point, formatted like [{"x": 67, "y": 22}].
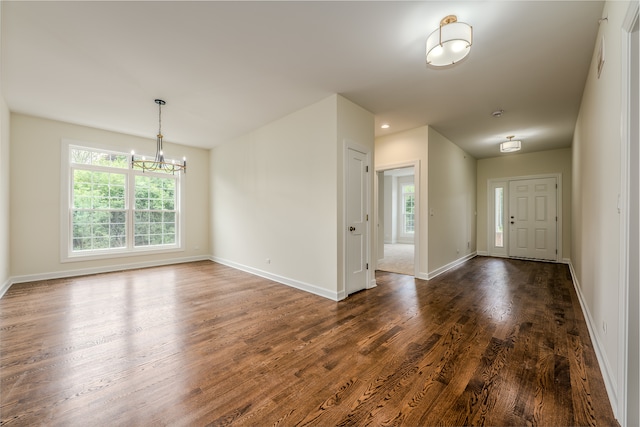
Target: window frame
[
  {"x": 400, "y": 182},
  {"x": 492, "y": 249},
  {"x": 403, "y": 197},
  {"x": 66, "y": 207}
]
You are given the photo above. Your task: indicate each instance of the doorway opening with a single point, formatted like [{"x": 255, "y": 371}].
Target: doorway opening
[{"x": 397, "y": 219}]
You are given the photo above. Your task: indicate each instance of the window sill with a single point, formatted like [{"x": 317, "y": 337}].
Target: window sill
[{"x": 119, "y": 254}]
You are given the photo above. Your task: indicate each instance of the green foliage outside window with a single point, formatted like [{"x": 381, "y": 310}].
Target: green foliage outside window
[
  {"x": 155, "y": 218},
  {"x": 100, "y": 211}
]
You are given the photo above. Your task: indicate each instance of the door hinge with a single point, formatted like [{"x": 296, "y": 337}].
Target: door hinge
[
  {"x": 366, "y": 169},
  {"x": 367, "y": 217},
  {"x": 368, "y": 265}
]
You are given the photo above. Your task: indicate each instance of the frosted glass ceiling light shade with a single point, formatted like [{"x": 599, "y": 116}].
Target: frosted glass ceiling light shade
[
  {"x": 450, "y": 43},
  {"x": 510, "y": 146}
]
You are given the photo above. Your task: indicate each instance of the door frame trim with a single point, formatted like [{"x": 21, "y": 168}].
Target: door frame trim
[
  {"x": 491, "y": 213},
  {"x": 620, "y": 395},
  {"x": 370, "y": 278},
  {"x": 416, "y": 181}
]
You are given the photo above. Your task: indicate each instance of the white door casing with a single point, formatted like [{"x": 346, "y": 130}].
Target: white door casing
[
  {"x": 357, "y": 233},
  {"x": 533, "y": 219},
  {"x": 626, "y": 395}
]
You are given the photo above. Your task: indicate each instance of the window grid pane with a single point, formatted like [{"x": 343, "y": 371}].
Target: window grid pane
[
  {"x": 99, "y": 229},
  {"x": 98, "y": 190},
  {"x": 155, "y": 214},
  {"x": 87, "y": 156}
]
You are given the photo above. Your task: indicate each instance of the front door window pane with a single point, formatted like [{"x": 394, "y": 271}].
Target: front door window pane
[{"x": 499, "y": 219}]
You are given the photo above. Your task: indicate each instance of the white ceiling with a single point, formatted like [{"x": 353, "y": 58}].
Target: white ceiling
[{"x": 226, "y": 68}]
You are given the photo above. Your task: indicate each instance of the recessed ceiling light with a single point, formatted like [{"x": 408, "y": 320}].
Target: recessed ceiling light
[
  {"x": 385, "y": 126},
  {"x": 497, "y": 113}
]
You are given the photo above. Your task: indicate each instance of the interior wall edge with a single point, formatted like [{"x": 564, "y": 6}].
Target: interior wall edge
[
  {"x": 308, "y": 287},
  {"x": 451, "y": 265},
  {"x": 5, "y": 287}
]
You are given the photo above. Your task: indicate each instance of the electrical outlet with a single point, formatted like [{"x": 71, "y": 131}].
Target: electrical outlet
[
  {"x": 604, "y": 327},
  {"x": 268, "y": 261}
]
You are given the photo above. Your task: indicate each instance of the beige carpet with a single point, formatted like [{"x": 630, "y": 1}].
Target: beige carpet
[{"x": 398, "y": 258}]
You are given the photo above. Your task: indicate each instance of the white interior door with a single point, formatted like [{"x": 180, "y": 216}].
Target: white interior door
[
  {"x": 533, "y": 218},
  {"x": 357, "y": 217}
]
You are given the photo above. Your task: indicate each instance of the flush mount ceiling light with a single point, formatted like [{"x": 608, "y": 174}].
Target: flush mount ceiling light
[
  {"x": 385, "y": 126},
  {"x": 450, "y": 43},
  {"x": 158, "y": 164},
  {"x": 510, "y": 146}
]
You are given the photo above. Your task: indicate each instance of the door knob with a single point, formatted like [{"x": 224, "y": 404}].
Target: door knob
[{"x": 352, "y": 229}]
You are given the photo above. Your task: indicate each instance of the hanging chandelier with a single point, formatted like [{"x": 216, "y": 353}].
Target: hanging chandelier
[{"x": 159, "y": 163}]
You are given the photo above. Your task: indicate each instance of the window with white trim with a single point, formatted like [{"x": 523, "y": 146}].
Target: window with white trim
[
  {"x": 115, "y": 209},
  {"x": 498, "y": 222},
  {"x": 408, "y": 207}
]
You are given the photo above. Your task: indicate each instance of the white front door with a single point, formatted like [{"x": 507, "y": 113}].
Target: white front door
[
  {"x": 533, "y": 219},
  {"x": 356, "y": 221}
]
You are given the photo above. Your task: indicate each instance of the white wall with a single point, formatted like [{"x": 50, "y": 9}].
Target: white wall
[
  {"x": 276, "y": 195},
  {"x": 35, "y": 198},
  {"x": 452, "y": 203},
  {"x": 538, "y": 163},
  {"x": 595, "y": 249}
]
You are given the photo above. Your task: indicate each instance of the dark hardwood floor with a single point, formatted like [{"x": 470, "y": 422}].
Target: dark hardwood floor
[{"x": 494, "y": 342}]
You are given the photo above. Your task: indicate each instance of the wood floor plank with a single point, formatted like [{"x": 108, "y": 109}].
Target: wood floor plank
[{"x": 493, "y": 342}]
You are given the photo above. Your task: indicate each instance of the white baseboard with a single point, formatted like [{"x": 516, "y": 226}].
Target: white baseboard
[
  {"x": 453, "y": 264},
  {"x": 482, "y": 253},
  {"x": 609, "y": 378},
  {"x": 5, "y": 287},
  {"x": 95, "y": 270},
  {"x": 335, "y": 296}
]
